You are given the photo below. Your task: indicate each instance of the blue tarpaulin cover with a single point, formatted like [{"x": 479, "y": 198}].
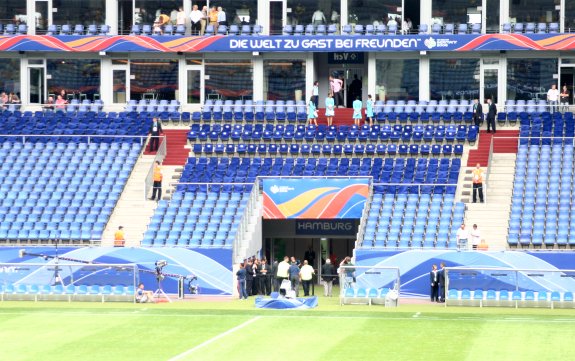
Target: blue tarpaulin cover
[{"x": 286, "y": 303}]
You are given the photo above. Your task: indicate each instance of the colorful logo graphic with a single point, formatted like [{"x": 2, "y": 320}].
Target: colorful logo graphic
[{"x": 316, "y": 198}]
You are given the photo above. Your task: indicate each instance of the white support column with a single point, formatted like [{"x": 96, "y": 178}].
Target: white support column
[
  {"x": 502, "y": 80},
  {"x": 106, "y": 81},
  {"x": 371, "y": 73},
  {"x": 264, "y": 16},
  {"x": 112, "y": 16},
  {"x": 309, "y": 75},
  {"x": 258, "y": 64},
  {"x": 424, "y": 78},
  {"x": 24, "y": 81},
  {"x": 344, "y": 13},
  {"x": 562, "y": 16},
  {"x": 188, "y": 10},
  {"x": 504, "y": 12},
  {"x": 425, "y": 14},
  {"x": 31, "y": 16}
]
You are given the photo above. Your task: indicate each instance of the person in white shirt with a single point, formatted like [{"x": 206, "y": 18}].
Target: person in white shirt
[
  {"x": 196, "y": 17},
  {"x": 475, "y": 237},
  {"x": 462, "y": 237},
  {"x": 306, "y": 273},
  {"x": 391, "y": 22},
  {"x": 553, "y": 98},
  {"x": 282, "y": 272},
  {"x": 318, "y": 17},
  {"x": 174, "y": 17},
  {"x": 222, "y": 20},
  {"x": 181, "y": 17}
]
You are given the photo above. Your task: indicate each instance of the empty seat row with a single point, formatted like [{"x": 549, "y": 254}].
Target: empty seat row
[
  {"x": 530, "y": 28},
  {"x": 479, "y": 297},
  {"x": 78, "y": 29}
]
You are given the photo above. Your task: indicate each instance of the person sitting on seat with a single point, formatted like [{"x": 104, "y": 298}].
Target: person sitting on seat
[{"x": 143, "y": 296}]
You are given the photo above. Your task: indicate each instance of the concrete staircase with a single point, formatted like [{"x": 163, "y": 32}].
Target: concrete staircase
[
  {"x": 492, "y": 217},
  {"x": 133, "y": 210}
]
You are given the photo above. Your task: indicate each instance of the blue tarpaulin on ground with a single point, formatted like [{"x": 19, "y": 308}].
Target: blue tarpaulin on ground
[{"x": 286, "y": 303}]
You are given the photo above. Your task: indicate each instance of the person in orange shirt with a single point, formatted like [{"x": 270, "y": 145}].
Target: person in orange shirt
[
  {"x": 213, "y": 15},
  {"x": 478, "y": 183},
  {"x": 157, "y": 187},
  {"x": 482, "y": 246},
  {"x": 119, "y": 237}
]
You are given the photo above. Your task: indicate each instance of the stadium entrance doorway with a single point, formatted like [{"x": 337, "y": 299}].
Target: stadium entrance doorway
[
  {"x": 333, "y": 239},
  {"x": 350, "y": 68}
]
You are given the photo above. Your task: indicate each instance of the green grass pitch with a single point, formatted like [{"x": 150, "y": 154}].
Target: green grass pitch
[{"x": 235, "y": 330}]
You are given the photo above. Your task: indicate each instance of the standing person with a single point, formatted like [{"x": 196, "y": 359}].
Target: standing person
[
  {"x": 369, "y": 109},
  {"x": 477, "y": 112},
  {"x": 329, "y": 109},
  {"x": 564, "y": 97},
  {"x": 315, "y": 93},
  {"x": 249, "y": 277},
  {"x": 282, "y": 273},
  {"x": 181, "y": 16},
  {"x": 357, "y": 106},
  {"x": 119, "y": 237},
  {"x": 336, "y": 85},
  {"x": 434, "y": 279},
  {"x": 213, "y": 17},
  {"x": 196, "y": 17},
  {"x": 256, "y": 273},
  {"x": 491, "y": 113},
  {"x": 462, "y": 236},
  {"x": 294, "y": 277},
  {"x": 157, "y": 186},
  {"x": 475, "y": 237},
  {"x": 242, "y": 275},
  {"x": 553, "y": 98},
  {"x": 222, "y": 18},
  {"x": 273, "y": 276},
  {"x": 306, "y": 274},
  {"x": 155, "y": 130},
  {"x": 263, "y": 270},
  {"x": 477, "y": 183},
  {"x": 309, "y": 255},
  {"x": 61, "y": 103},
  {"x": 204, "y": 20},
  {"x": 318, "y": 17},
  {"x": 327, "y": 275},
  {"x": 442, "y": 282},
  {"x": 311, "y": 112}
]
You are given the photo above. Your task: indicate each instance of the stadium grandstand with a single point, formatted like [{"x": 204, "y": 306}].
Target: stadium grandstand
[{"x": 244, "y": 171}]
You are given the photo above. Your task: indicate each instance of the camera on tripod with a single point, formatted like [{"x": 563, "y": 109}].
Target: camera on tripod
[
  {"x": 160, "y": 264},
  {"x": 193, "y": 288}
]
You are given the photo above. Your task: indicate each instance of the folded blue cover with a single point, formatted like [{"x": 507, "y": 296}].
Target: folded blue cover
[{"x": 286, "y": 303}]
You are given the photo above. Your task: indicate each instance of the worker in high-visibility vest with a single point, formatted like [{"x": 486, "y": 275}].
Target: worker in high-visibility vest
[
  {"x": 157, "y": 187},
  {"x": 119, "y": 238},
  {"x": 478, "y": 183}
]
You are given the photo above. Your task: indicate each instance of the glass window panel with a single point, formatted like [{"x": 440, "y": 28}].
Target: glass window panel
[
  {"x": 397, "y": 79},
  {"x": 238, "y": 10},
  {"x": 92, "y": 12},
  {"x": 530, "y": 78},
  {"x": 373, "y": 11},
  {"x": 283, "y": 78},
  {"x": 10, "y": 76},
  {"x": 13, "y": 11},
  {"x": 146, "y": 11},
  {"x": 569, "y": 16},
  {"x": 492, "y": 16},
  {"x": 228, "y": 79},
  {"x": 455, "y": 11},
  {"x": 454, "y": 79},
  {"x": 153, "y": 79},
  {"x": 194, "y": 85},
  {"x": 533, "y": 11},
  {"x": 80, "y": 77},
  {"x": 302, "y": 11}
]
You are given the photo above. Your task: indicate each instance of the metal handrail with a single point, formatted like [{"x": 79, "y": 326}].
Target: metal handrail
[{"x": 89, "y": 136}]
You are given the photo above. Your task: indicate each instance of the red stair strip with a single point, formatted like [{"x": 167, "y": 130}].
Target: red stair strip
[
  {"x": 176, "y": 154},
  {"x": 343, "y": 116},
  {"x": 481, "y": 154}
]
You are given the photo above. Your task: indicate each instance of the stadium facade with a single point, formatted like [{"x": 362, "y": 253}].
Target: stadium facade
[{"x": 506, "y": 50}]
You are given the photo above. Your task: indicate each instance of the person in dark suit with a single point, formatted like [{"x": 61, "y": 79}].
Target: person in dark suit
[
  {"x": 264, "y": 276},
  {"x": 491, "y": 113},
  {"x": 442, "y": 282},
  {"x": 434, "y": 280},
  {"x": 477, "y": 112},
  {"x": 155, "y": 131}
]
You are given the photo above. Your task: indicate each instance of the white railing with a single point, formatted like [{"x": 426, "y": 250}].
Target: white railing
[
  {"x": 245, "y": 220},
  {"x": 90, "y": 138},
  {"x": 160, "y": 155}
]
